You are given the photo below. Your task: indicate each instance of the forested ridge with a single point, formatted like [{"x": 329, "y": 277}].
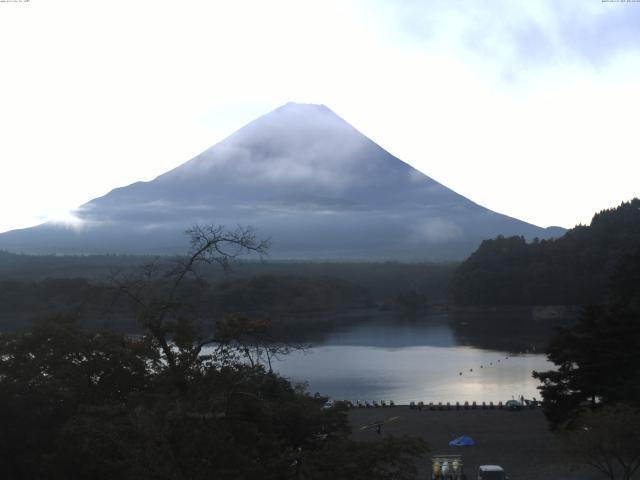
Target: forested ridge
[
  {"x": 381, "y": 279},
  {"x": 93, "y": 303},
  {"x": 35, "y": 286},
  {"x": 573, "y": 269}
]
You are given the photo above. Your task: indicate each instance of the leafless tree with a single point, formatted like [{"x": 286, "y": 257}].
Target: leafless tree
[
  {"x": 252, "y": 339},
  {"x": 154, "y": 290}
]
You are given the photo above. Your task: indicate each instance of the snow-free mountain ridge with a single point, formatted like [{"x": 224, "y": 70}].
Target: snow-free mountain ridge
[{"x": 303, "y": 177}]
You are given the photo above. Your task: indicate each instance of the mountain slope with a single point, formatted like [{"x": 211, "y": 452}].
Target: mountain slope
[{"x": 300, "y": 175}]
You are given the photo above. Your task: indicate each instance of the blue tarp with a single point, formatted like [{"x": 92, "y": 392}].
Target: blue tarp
[{"x": 461, "y": 441}]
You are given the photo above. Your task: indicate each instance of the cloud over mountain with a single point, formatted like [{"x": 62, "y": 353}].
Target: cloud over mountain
[{"x": 300, "y": 175}]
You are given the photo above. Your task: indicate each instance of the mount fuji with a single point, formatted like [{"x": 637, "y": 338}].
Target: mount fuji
[{"x": 300, "y": 175}]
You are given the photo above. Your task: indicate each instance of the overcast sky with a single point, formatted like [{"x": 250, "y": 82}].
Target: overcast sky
[{"x": 528, "y": 108}]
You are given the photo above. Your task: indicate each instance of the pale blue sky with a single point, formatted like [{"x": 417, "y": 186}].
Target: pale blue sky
[{"x": 528, "y": 108}]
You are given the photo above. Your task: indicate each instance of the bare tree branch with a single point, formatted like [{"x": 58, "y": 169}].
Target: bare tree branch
[{"x": 154, "y": 290}]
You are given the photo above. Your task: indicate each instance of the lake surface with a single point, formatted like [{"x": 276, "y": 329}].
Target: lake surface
[{"x": 433, "y": 359}]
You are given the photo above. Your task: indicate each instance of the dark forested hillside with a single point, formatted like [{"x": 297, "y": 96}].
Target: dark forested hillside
[
  {"x": 383, "y": 280},
  {"x": 38, "y": 267},
  {"x": 269, "y": 294},
  {"x": 34, "y": 286},
  {"x": 573, "y": 269},
  {"x": 94, "y": 303}
]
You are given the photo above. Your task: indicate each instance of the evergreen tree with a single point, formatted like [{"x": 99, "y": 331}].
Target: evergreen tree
[{"x": 598, "y": 359}]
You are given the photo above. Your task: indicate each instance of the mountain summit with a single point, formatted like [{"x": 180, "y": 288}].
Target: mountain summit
[{"x": 300, "y": 175}]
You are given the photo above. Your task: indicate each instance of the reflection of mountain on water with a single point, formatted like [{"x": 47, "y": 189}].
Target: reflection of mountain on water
[
  {"x": 511, "y": 331},
  {"x": 508, "y": 331},
  {"x": 504, "y": 330},
  {"x": 372, "y": 329},
  {"x": 396, "y": 332}
]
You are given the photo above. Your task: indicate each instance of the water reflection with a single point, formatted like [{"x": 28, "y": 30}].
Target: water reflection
[
  {"x": 433, "y": 358},
  {"x": 516, "y": 332}
]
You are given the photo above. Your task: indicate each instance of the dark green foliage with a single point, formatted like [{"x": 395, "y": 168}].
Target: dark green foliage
[
  {"x": 22, "y": 301},
  {"x": 76, "y": 404},
  {"x": 391, "y": 458},
  {"x": 38, "y": 267},
  {"x": 625, "y": 282},
  {"x": 279, "y": 290},
  {"x": 79, "y": 404},
  {"x": 380, "y": 280},
  {"x": 606, "y": 439},
  {"x": 272, "y": 294},
  {"x": 598, "y": 360},
  {"x": 571, "y": 270},
  {"x": 48, "y": 374},
  {"x": 408, "y": 302}
]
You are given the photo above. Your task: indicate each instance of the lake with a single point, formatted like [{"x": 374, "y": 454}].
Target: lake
[{"x": 432, "y": 358}]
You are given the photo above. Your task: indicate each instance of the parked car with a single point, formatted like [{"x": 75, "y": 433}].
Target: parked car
[
  {"x": 513, "y": 405},
  {"x": 492, "y": 472},
  {"x": 328, "y": 404}
]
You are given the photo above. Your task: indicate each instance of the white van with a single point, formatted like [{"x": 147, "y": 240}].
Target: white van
[{"x": 491, "y": 472}]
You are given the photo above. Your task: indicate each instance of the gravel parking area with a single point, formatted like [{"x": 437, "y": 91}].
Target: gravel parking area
[{"x": 519, "y": 441}]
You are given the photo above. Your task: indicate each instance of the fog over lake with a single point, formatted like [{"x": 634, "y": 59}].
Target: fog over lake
[{"x": 391, "y": 358}]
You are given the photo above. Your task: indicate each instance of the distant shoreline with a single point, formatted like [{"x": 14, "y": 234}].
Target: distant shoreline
[{"x": 534, "y": 311}]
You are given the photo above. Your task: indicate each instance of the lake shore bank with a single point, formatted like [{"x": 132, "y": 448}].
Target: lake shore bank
[
  {"x": 528, "y": 311},
  {"x": 519, "y": 441}
]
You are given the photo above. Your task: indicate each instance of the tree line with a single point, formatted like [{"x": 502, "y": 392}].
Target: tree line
[
  {"x": 92, "y": 302},
  {"x": 592, "y": 397},
  {"x": 571, "y": 270},
  {"x": 35, "y": 286}
]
